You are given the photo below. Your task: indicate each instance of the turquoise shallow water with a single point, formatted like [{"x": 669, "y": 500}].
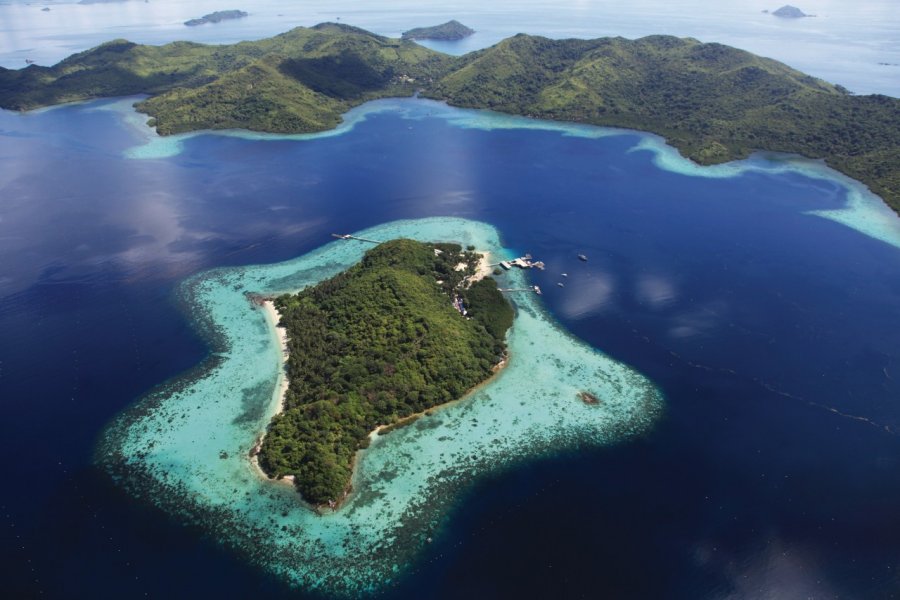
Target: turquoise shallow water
[{"x": 185, "y": 447}]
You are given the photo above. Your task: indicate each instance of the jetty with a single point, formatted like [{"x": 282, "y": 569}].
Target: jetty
[
  {"x": 523, "y": 262},
  {"x": 347, "y": 236}
]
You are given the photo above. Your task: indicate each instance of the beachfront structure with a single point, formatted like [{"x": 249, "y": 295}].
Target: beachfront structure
[{"x": 523, "y": 262}]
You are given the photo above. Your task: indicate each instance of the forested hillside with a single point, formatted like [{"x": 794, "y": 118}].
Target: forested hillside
[
  {"x": 712, "y": 102},
  {"x": 299, "y": 81}
]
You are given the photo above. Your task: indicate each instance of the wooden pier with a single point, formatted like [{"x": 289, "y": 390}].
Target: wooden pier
[{"x": 347, "y": 236}]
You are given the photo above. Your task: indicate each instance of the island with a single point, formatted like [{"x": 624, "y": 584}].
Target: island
[
  {"x": 186, "y": 446},
  {"x": 712, "y": 102},
  {"x": 412, "y": 326},
  {"x": 217, "y": 17},
  {"x": 790, "y": 12},
  {"x": 450, "y": 31}
]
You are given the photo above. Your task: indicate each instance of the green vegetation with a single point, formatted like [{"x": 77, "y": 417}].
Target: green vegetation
[
  {"x": 373, "y": 346},
  {"x": 712, "y": 102},
  {"x": 299, "y": 81},
  {"x": 449, "y": 31}
]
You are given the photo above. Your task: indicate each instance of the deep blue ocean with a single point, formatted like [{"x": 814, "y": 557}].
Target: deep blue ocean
[{"x": 773, "y": 473}]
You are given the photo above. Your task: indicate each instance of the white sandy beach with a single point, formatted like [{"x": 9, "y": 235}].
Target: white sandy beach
[
  {"x": 484, "y": 266},
  {"x": 273, "y": 317}
]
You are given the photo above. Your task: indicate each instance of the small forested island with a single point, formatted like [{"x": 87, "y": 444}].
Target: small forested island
[
  {"x": 217, "y": 17},
  {"x": 412, "y": 326},
  {"x": 712, "y": 102},
  {"x": 790, "y": 12},
  {"x": 450, "y": 31}
]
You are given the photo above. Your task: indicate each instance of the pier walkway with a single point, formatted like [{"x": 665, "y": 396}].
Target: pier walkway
[{"x": 347, "y": 236}]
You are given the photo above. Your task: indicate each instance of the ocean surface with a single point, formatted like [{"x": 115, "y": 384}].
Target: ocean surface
[{"x": 770, "y": 331}]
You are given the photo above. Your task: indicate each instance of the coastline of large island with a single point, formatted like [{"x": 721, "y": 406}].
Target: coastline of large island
[
  {"x": 713, "y": 103},
  {"x": 412, "y": 327}
]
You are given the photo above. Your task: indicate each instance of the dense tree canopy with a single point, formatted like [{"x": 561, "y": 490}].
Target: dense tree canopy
[{"x": 373, "y": 345}]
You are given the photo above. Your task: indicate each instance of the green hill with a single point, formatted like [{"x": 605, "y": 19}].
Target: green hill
[
  {"x": 373, "y": 346},
  {"x": 712, "y": 102},
  {"x": 299, "y": 81}
]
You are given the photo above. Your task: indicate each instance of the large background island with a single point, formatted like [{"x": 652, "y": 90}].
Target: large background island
[
  {"x": 376, "y": 344},
  {"x": 712, "y": 102}
]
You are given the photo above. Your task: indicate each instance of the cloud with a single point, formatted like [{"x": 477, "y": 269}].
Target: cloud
[
  {"x": 698, "y": 321},
  {"x": 655, "y": 291},
  {"x": 587, "y": 296},
  {"x": 779, "y": 571}
]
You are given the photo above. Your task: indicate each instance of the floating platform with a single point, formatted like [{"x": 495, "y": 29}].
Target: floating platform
[{"x": 523, "y": 262}]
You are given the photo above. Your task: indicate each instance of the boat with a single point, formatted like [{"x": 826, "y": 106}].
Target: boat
[
  {"x": 565, "y": 274},
  {"x": 561, "y": 284},
  {"x": 582, "y": 258}
]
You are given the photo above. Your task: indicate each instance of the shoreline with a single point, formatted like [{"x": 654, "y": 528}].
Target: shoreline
[
  {"x": 273, "y": 317},
  {"x": 410, "y": 419},
  {"x": 406, "y": 421}
]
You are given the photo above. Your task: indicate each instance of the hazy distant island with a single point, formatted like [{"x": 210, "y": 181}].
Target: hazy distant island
[
  {"x": 448, "y": 32},
  {"x": 790, "y": 12},
  {"x": 217, "y": 17},
  {"x": 714, "y": 103},
  {"x": 412, "y": 326}
]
